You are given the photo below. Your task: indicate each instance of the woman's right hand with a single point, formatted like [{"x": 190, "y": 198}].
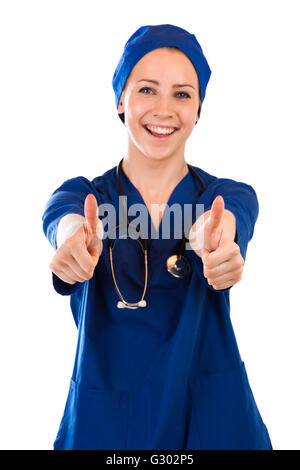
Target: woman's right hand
[{"x": 76, "y": 259}]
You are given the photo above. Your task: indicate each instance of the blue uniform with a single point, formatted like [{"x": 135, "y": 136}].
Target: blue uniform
[{"x": 169, "y": 375}]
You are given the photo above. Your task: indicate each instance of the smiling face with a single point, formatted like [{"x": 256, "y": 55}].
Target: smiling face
[{"x": 152, "y": 96}]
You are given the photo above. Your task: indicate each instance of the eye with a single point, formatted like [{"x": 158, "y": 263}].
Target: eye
[
  {"x": 186, "y": 95},
  {"x": 183, "y": 93},
  {"x": 145, "y": 88}
]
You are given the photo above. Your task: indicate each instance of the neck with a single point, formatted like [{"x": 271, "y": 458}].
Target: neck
[{"x": 154, "y": 178}]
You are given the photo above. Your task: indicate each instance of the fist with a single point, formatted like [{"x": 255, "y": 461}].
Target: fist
[
  {"x": 77, "y": 257},
  {"x": 211, "y": 237}
]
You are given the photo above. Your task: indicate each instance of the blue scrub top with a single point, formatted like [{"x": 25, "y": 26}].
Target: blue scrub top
[{"x": 169, "y": 375}]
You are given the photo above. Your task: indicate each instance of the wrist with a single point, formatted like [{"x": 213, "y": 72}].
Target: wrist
[
  {"x": 229, "y": 224},
  {"x": 67, "y": 227},
  {"x": 196, "y": 235}
]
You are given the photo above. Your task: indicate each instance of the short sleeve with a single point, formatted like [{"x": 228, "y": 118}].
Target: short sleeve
[
  {"x": 241, "y": 199},
  {"x": 69, "y": 198}
]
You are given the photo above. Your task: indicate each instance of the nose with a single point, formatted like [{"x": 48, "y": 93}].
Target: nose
[{"x": 163, "y": 108}]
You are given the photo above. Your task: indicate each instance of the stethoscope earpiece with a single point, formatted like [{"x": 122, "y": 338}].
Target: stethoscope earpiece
[{"x": 124, "y": 304}]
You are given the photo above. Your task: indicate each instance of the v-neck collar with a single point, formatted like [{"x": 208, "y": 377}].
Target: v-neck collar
[{"x": 183, "y": 192}]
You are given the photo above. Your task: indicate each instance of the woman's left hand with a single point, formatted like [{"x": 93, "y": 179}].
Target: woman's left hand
[
  {"x": 222, "y": 262},
  {"x": 224, "y": 266}
]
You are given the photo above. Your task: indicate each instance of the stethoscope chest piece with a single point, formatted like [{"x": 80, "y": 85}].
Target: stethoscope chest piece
[{"x": 178, "y": 265}]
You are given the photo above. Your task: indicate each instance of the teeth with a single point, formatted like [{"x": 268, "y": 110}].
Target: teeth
[{"x": 160, "y": 130}]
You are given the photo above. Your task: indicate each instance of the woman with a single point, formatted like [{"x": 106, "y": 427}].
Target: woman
[{"x": 162, "y": 372}]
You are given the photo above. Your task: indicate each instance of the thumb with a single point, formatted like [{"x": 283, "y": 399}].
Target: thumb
[
  {"x": 216, "y": 212},
  {"x": 204, "y": 254},
  {"x": 94, "y": 252},
  {"x": 91, "y": 212}
]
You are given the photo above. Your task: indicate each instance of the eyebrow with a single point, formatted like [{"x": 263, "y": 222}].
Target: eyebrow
[{"x": 177, "y": 85}]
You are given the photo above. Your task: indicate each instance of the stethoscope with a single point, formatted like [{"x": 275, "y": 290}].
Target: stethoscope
[{"x": 178, "y": 265}]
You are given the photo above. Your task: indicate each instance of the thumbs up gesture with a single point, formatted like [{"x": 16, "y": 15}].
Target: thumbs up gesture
[
  {"x": 77, "y": 257},
  {"x": 211, "y": 237}
]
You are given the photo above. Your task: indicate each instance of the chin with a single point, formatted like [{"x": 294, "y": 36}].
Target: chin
[{"x": 158, "y": 156}]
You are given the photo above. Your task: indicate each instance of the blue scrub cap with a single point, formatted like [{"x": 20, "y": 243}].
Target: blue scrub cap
[{"x": 147, "y": 38}]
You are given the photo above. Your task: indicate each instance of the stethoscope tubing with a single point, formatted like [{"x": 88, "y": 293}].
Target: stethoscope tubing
[{"x": 172, "y": 260}]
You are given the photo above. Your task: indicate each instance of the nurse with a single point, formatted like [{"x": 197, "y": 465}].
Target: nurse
[{"x": 157, "y": 365}]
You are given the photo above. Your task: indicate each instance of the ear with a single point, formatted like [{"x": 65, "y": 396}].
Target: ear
[{"x": 121, "y": 105}]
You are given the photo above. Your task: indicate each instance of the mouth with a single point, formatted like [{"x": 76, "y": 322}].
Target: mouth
[{"x": 159, "y": 136}]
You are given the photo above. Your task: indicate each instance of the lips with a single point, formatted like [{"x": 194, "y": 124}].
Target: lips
[{"x": 159, "y": 136}]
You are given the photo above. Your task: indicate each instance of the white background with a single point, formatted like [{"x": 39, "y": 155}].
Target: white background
[{"x": 58, "y": 120}]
